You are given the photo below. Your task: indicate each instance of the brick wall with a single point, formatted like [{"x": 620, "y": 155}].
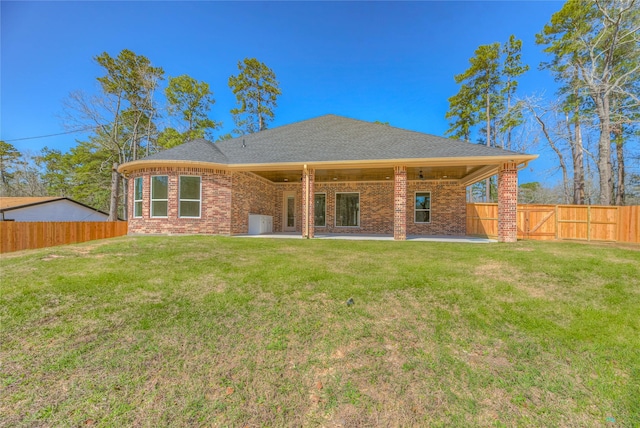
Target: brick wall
[
  {"x": 227, "y": 200},
  {"x": 508, "y": 202},
  {"x": 448, "y": 208},
  {"x": 251, "y": 194},
  {"x": 308, "y": 185},
  {"x": 376, "y": 207},
  {"x": 215, "y": 205},
  {"x": 399, "y": 203}
]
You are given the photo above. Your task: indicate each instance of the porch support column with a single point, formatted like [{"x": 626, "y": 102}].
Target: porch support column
[
  {"x": 400, "y": 203},
  {"x": 308, "y": 183},
  {"x": 508, "y": 202}
]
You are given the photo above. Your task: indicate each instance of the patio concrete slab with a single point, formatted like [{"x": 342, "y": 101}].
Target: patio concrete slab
[{"x": 354, "y": 237}]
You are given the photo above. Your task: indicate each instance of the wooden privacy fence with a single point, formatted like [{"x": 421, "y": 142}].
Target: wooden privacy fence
[
  {"x": 581, "y": 222},
  {"x": 16, "y": 236}
]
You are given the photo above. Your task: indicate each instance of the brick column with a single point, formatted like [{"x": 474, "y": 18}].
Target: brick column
[
  {"x": 308, "y": 184},
  {"x": 146, "y": 195},
  {"x": 508, "y": 202},
  {"x": 400, "y": 203}
]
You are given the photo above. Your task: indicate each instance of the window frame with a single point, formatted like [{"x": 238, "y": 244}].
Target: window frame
[
  {"x": 325, "y": 209},
  {"x": 335, "y": 211},
  {"x": 136, "y": 201},
  {"x": 199, "y": 200},
  {"x": 416, "y": 209},
  {"x": 152, "y": 200}
]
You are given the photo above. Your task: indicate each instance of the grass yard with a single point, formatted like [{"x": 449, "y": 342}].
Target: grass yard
[{"x": 215, "y": 331}]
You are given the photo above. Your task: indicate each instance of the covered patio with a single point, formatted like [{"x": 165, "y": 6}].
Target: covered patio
[
  {"x": 405, "y": 199},
  {"x": 352, "y": 237}
]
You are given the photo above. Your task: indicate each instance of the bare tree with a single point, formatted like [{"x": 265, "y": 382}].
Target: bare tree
[{"x": 121, "y": 115}]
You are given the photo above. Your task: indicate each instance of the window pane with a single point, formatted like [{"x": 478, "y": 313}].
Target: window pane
[
  {"x": 159, "y": 187},
  {"x": 189, "y": 187},
  {"x": 347, "y": 207},
  {"x": 138, "y": 189},
  {"x": 423, "y": 201},
  {"x": 423, "y": 216},
  {"x": 291, "y": 205},
  {"x": 159, "y": 208},
  {"x": 189, "y": 209},
  {"x": 319, "y": 210},
  {"x": 137, "y": 209}
]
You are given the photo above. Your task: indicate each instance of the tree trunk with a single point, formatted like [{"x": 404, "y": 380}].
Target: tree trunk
[
  {"x": 563, "y": 165},
  {"x": 488, "y": 183},
  {"x": 125, "y": 198},
  {"x": 115, "y": 182},
  {"x": 578, "y": 168},
  {"x": 577, "y": 155},
  {"x": 604, "y": 150},
  {"x": 620, "y": 194}
]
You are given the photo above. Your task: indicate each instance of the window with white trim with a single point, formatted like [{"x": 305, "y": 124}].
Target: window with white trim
[
  {"x": 347, "y": 209},
  {"x": 137, "y": 197},
  {"x": 190, "y": 196},
  {"x": 159, "y": 195},
  {"x": 320, "y": 210},
  {"x": 422, "y": 207}
]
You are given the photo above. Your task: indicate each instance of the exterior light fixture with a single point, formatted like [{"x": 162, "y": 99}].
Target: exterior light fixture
[
  {"x": 421, "y": 177},
  {"x": 335, "y": 178},
  {"x": 286, "y": 179},
  {"x": 387, "y": 177}
]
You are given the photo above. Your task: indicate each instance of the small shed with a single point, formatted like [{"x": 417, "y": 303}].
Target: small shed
[{"x": 47, "y": 209}]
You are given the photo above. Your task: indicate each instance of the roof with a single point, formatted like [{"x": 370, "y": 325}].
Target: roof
[
  {"x": 14, "y": 203},
  {"x": 329, "y": 140},
  {"x": 337, "y": 138},
  {"x": 195, "y": 150},
  {"x": 7, "y": 204}
]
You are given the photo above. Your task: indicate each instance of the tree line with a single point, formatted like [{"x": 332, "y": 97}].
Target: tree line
[
  {"x": 590, "y": 123},
  {"x": 126, "y": 123}
]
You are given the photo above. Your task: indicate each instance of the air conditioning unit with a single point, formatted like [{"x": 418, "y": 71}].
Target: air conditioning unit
[{"x": 260, "y": 224}]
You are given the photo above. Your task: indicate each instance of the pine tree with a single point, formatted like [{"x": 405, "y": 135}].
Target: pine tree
[{"x": 256, "y": 90}]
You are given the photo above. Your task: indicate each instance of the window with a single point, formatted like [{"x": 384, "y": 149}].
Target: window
[
  {"x": 159, "y": 195},
  {"x": 137, "y": 197},
  {"x": 189, "y": 197},
  {"x": 423, "y": 207},
  {"x": 319, "y": 210},
  {"x": 347, "y": 209}
]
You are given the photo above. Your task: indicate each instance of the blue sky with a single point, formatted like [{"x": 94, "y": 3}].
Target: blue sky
[{"x": 388, "y": 61}]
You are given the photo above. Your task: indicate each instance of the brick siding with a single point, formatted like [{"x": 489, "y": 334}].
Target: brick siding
[
  {"x": 229, "y": 198},
  {"x": 400, "y": 203},
  {"x": 215, "y": 215},
  {"x": 448, "y": 208},
  {"x": 251, "y": 194},
  {"x": 508, "y": 202},
  {"x": 376, "y": 207}
]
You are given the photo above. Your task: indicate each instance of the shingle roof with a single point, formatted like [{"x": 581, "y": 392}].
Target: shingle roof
[
  {"x": 326, "y": 138},
  {"x": 195, "y": 150}
]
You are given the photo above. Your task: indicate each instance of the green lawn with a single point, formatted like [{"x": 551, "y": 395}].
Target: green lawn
[{"x": 215, "y": 331}]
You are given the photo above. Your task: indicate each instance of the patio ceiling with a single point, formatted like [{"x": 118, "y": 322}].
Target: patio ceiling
[{"x": 463, "y": 173}]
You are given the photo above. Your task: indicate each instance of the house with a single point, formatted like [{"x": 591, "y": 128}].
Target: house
[
  {"x": 330, "y": 174},
  {"x": 47, "y": 209}
]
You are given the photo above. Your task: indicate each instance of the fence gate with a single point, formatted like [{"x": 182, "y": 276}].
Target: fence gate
[{"x": 537, "y": 222}]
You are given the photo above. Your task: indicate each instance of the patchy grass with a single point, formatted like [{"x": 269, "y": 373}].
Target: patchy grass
[{"x": 195, "y": 331}]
